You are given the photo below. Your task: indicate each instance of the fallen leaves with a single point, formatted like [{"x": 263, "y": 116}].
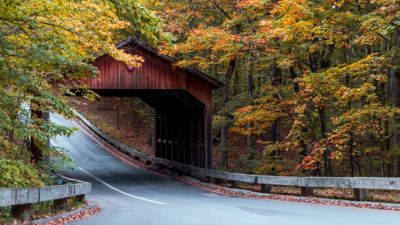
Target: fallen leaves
[
  {"x": 251, "y": 194},
  {"x": 69, "y": 218},
  {"x": 309, "y": 200}
]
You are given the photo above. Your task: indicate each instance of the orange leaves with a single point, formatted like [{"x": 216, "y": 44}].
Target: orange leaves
[
  {"x": 308, "y": 163},
  {"x": 317, "y": 55},
  {"x": 220, "y": 43},
  {"x": 128, "y": 59},
  {"x": 258, "y": 117},
  {"x": 250, "y": 3},
  {"x": 254, "y": 119},
  {"x": 293, "y": 22},
  {"x": 351, "y": 96}
]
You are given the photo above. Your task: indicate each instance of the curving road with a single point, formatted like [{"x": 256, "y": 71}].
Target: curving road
[{"x": 131, "y": 195}]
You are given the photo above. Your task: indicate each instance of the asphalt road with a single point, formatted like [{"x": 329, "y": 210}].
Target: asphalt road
[{"x": 132, "y": 195}]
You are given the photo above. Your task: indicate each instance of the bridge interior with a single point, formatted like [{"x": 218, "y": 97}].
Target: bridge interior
[{"x": 180, "y": 124}]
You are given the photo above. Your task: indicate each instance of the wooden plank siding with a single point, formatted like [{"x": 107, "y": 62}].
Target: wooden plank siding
[
  {"x": 181, "y": 98},
  {"x": 154, "y": 74}
]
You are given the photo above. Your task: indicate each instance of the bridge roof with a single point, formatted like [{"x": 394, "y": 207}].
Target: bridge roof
[{"x": 132, "y": 40}]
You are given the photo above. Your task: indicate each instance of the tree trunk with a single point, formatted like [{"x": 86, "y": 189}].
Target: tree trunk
[
  {"x": 394, "y": 90},
  {"x": 382, "y": 149},
  {"x": 236, "y": 84},
  {"x": 224, "y": 126},
  {"x": 275, "y": 81},
  {"x": 323, "y": 127},
  {"x": 35, "y": 145},
  {"x": 351, "y": 138},
  {"x": 250, "y": 92},
  {"x": 351, "y": 160},
  {"x": 293, "y": 76},
  {"x": 296, "y": 89}
]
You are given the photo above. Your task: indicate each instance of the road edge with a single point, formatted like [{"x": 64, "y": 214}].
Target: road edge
[
  {"x": 227, "y": 191},
  {"x": 79, "y": 214}
]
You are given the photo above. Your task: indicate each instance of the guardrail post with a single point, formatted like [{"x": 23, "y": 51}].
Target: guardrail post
[
  {"x": 60, "y": 204},
  {"x": 360, "y": 194},
  {"x": 213, "y": 180},
  {"x": 234, "y": 184},
  {"x": 307, "y": 191},
  {"x": 266, "y": 188},
  {"x": 80, "y": 198},
  {"x": 22, "y": 212}
]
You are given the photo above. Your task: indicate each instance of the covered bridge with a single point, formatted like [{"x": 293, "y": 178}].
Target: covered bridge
[{"x": 181, "y": 98}]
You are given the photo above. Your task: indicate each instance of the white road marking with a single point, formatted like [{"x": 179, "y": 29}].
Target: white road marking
[
  {"x": 114, "y": 188},
  {"x": 102, "y": 145},
  {"x": 122, "y": 192}
]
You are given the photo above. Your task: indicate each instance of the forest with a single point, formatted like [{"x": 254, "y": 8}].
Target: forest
[{"x": 311, "y": 87}]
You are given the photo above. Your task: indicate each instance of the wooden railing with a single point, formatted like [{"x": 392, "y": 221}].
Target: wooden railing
[
  {"x": 360, "y": 185},
  {"x": 21, "y": 199}
]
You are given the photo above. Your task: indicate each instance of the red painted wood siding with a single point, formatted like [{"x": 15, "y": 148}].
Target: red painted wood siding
[{"x": 155, "y": 73}]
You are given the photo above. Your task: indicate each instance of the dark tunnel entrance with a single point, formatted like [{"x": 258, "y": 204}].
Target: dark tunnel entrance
[{"x": 181, "y": 127}]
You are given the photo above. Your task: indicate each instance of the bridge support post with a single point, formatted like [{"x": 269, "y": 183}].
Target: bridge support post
[
  {"x": 60, "y": 204},
  {"x": 307, "y": 191},
  {"x": 266, "y": 188},
  {"x": 360, "y": 194},
  {"x": 208, "y": 137},
  {"x": 22, "y": 212}
]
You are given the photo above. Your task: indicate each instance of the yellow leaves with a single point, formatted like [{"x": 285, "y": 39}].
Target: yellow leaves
[
  {"x": 337, "y": 155},
  {"x": 81, "y": 27},
  {"x": 257, "y": 118},
  {"x": 344, "y": 95},
  {"x": 129, "y": 59},
  {"x": 254, "y": 120},
  {"x": 313, "y": 25},
  {"x": 345, "y": 83},
  {"x": 86, "y": 27},
  {"x": 221, "y": 45}
]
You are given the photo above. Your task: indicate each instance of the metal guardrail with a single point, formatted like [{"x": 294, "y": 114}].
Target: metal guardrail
[
  {"x": 360, "y": 185},
  {"x": 20, "y": 199}
]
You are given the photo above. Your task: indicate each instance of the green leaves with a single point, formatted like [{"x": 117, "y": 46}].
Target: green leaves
[
  {"x": 15, "y": 173},
  {"x": 330, "y": 71},
  {"x": 47, "y": 47}
]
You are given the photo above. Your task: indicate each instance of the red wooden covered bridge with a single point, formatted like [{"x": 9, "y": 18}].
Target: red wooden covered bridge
[{"x": 181, "y": 98}]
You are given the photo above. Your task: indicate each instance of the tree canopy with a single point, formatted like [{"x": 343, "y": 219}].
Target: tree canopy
[
  {"x": 311, "y": 85},
  {"x": 46, "y": 46}
]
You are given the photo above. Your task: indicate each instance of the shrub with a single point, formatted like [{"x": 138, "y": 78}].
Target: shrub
[{"x": 15, "y": 173}]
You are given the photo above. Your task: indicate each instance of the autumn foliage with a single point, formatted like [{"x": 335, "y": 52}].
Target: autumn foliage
[
  {"x": 45, "y": 47},
  {"x": 315, "y": 83}
]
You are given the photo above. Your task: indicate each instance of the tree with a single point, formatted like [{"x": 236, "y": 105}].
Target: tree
[
  {"x": 43, "y": 45},
  {"x": 322, "y": 88}
]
